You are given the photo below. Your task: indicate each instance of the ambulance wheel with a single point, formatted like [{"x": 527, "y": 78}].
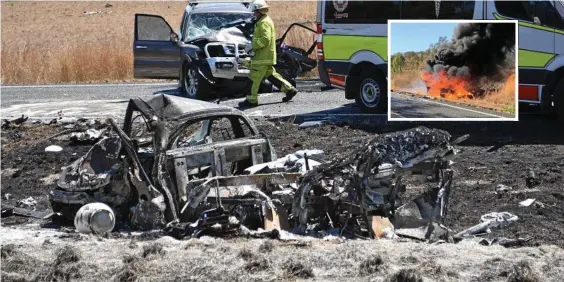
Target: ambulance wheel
[
  {"x": 559, "y": 100},
  {"x": 371, "y": 94}
]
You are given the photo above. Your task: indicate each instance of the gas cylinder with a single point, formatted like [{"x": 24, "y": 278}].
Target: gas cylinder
[{"x": 95, "y": 218}]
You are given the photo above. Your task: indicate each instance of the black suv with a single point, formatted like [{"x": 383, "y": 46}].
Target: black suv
[{"x": 206, "y": 54}]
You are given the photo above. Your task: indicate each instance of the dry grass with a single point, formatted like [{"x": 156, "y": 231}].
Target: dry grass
[
  {"x": 213, "y": 259},
  {"x": 54, "y": 42},
  {"x": 408, "y": 81},
  {"x": 503, "y": 99}
]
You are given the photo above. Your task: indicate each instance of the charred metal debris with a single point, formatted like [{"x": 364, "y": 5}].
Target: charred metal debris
[{"x": 191, "y": 168}]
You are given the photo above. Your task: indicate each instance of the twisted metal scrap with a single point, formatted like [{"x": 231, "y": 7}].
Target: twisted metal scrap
[{"x": 403, "y": 149}]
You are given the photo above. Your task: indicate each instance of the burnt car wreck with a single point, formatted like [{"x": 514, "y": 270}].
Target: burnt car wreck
[{"x": 192, "y": 168}]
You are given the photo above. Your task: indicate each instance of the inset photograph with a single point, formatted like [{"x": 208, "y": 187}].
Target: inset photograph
[{"x": 459, "y": 70}]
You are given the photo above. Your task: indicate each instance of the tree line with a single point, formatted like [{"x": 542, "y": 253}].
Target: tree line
[{"x": 414, "y": 61}]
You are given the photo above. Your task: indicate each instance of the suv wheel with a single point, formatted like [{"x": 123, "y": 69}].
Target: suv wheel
[
  {"x": 371, "y": 94},
  {"x": 266, "y": 87},
  {"x": 194, "y": 86}
]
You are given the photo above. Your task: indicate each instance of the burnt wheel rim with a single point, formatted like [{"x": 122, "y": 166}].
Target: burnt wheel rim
[{"x": 370, "y": 92}]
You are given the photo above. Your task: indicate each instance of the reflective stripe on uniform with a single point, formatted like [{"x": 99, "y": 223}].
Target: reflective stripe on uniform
[
  {"x": 261, "y": 63},
  {"x": 343, "y": 47}
]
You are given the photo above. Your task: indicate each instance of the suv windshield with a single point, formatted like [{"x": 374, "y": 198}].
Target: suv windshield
[{"x": 203, "y": 23}]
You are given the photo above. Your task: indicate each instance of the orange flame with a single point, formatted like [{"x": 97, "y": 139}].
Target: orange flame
[
  {"x": 442, "y": 86},
  {"x": 509, "y": 86}
]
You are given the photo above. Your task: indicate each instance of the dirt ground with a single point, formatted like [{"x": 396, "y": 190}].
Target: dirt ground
[{"x": 496, "y": 153}]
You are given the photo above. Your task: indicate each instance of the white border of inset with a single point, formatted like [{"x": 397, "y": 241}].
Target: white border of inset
[{"x": 438, "y": 21}]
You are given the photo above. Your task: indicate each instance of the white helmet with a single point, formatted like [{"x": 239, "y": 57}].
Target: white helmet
[{"x": 260, "y": 5}]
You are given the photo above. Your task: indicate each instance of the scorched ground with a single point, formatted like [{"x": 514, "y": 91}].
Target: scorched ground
[{"x": 496, "y": 153}]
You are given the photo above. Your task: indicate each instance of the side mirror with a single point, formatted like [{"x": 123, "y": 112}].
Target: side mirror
[
  {"x": 536, "y": 20},
  {"x": 174, "y": 37}
]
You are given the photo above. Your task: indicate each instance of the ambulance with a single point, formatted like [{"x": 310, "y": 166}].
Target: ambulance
[{"x": 352, "y": 45}]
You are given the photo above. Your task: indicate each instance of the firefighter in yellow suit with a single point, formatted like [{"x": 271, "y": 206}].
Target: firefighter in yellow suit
[{"x": 262, "y": 63}]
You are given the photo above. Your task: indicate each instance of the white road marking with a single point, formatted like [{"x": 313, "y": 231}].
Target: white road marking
[
  {"x": 306, "y": 83},
  {"x": 77, "y": 108},
  {"x": 398, "y": 115},
  {"x": 460, "y": 108},
  {"x": 88, "y": 85}
]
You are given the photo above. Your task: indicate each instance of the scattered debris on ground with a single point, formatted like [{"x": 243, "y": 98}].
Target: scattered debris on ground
[
  {"x": 526, "y": 202},
  {"x": 53, "y": 148},
  {"x": 29, "y": 203},
  {"x": 15, "y": 123},
  {"x": 90, "y": 136},
  {"x": 490, "y": 220}
]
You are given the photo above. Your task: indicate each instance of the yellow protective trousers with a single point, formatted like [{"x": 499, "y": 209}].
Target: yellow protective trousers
[{"x": 257, "y": 75}]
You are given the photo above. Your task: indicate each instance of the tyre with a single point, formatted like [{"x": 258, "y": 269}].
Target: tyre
[
  {"x": 194, "y": 86},
  {"x": 293, "y": 82},
  {"x": 371, "y": 93},
  {"x": 266, "y": 87},
  {"x": 559, "y": 100}
]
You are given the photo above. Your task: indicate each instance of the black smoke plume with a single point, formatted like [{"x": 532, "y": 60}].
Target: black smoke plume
[{"x": 476, "y": 50}]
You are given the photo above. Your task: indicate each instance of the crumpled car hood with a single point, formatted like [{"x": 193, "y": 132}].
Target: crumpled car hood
[{"x": 231, "y": 34}]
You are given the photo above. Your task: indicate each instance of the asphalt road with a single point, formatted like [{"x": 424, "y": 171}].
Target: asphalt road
[
  {"x": 410, "y": 106},
  {"x": 110, "y": 100}
]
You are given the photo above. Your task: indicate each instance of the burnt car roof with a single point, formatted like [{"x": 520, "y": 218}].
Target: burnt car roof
[
  {"x": 168, "y": 107},
  {"x": 178, "y": 109},
  {"x": 220, "y": 8}
]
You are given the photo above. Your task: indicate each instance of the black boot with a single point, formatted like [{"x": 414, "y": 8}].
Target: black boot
[
  {"x": 245, "y": 104},
  {"x": 290, "y": 94}
]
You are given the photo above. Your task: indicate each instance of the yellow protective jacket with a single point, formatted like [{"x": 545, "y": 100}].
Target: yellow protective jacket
[{"x": 264, "y": 42}]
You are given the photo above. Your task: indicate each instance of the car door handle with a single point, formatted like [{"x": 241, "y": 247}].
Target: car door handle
[{"x": 140, "y": 47}]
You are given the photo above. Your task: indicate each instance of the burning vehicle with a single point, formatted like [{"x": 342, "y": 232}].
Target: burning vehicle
[
  {"x": 192, "y": 168},
  {"x": 477, "y": 52},
  {"x": 207, "y": 55}
]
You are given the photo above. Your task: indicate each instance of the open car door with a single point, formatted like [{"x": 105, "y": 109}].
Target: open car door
[
  {"x": 295, "y": 60},
  {"x": 156, "y": 53}
]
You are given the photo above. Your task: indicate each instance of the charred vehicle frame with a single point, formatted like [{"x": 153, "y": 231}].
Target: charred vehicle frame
[
  {"x": 149, "y": 164},
  {"x": 191, "y": 168}
]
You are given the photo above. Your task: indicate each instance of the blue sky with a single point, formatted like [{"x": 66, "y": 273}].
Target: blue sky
[{"x": 418, "y": 36}]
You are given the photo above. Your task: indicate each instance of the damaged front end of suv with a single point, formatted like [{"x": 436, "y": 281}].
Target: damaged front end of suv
[{"x": 219, "y": 56}]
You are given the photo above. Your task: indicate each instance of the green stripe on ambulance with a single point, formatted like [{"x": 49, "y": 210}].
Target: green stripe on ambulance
[
  {"x": 343, "y": 47},
  {"x": 535, "y": 59}
]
